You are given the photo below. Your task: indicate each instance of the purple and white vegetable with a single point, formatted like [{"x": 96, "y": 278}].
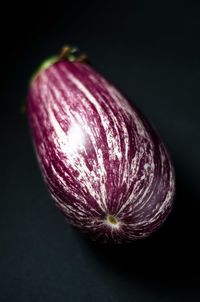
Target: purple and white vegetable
[{"x": 104, "y": 165}]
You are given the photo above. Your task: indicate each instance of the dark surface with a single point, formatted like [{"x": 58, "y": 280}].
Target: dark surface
[{"x": 151, "y": 52}]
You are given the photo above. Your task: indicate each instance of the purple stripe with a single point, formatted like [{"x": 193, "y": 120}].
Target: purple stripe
[{"x": 70, "y": 96}]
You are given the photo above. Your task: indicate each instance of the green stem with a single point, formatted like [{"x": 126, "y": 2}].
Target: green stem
[{"x": 67, "y": 54}]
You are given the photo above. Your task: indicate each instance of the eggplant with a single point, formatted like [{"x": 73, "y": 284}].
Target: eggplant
[{"x": 104, "y": 164}]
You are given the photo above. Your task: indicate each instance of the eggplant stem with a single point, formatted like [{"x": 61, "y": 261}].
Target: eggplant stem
[
  {"x": 64, "y": 53},
  {"x": 67, "y": 54}
]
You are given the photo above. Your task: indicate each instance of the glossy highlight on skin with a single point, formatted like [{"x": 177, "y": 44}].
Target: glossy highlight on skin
[{"x": 103, "y": 163}]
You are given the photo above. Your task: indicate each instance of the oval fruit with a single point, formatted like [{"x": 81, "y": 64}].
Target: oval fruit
[{"x": 104, "y": 165}]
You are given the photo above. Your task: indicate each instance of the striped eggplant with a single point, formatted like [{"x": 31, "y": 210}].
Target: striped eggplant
[{"x": 104, "y": 164}]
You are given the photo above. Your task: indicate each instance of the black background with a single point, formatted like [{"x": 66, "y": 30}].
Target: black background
[{"x": 150, "y": 50}]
